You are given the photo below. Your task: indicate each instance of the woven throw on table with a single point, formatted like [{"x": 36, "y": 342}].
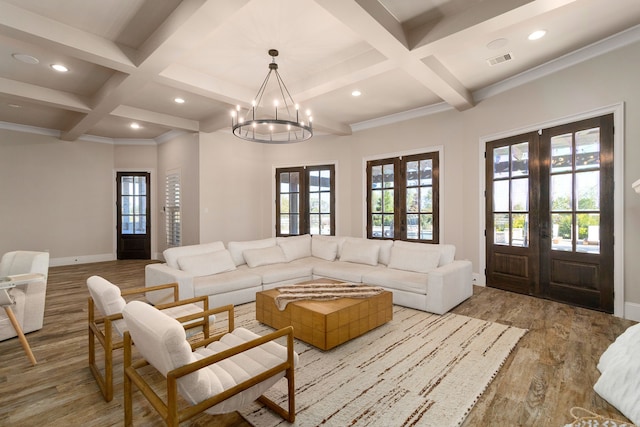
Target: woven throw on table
[{"x": 324, "y": 291}]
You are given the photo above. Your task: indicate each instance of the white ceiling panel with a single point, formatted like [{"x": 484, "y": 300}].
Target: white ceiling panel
[{"x": 128, "y": 59}]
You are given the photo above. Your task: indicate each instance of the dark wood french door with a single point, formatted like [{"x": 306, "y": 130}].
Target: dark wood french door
[
  {"x": 549, "y": 213},
  {"x": 133, "y": 211}
]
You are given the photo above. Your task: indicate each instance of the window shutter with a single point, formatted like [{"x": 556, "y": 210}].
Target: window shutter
[{"x": 172, "y": 208}]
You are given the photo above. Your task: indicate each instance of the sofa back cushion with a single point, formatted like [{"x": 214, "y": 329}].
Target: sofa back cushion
[
  {"x": 207, "y": 263},
  {"x": 237, "y": 248},
  {"x": 324, "y": 248},
  {"x": 385, "y": 251},
  {"x": 264, "y": 256},
  {"x": 295, "y": 247},
  {"x": 171, "y": 255},
  {"x": 447, "y": 252},
  {"x": 338, "y": 240},
  {"x": 361, "y": 251},
  {"x": 412, "y": 259}
]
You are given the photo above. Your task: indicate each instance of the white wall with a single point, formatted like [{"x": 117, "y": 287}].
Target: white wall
[
  {"x": 234, "y": 177},
  {"x": 181, "y": 154},
  {"x": 56, "y": 196}
]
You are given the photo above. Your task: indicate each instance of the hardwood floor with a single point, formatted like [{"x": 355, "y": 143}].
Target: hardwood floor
[{"x": 552, "y": 369}]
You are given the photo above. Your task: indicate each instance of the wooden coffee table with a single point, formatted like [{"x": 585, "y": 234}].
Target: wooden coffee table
[{"x": 326, "y": 324}]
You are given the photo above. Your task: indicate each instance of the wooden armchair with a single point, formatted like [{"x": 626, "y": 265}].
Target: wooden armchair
[
  {"x": 216, "y": 375},
  {"x": 108, "y": 327}
]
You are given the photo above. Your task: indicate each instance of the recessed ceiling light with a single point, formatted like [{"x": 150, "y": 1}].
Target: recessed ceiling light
[
  {"x": 537, "y": 34},
  {"x": 135, "y": 126},
  {"x": 179, "y": 101},
  {"x": 356, "y": 93},
  {"x": 497, "y": 43},
  {"x": 59, "y": 67},
  {"x": 27, "y": 59}
]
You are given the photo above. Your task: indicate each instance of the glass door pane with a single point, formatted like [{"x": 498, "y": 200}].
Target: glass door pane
[
  {"x": 575, "y": 191},
  {"x": 511, "y": 195}
]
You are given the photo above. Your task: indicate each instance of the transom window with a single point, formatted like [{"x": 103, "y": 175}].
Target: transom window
[{"x": 305, "y": 200}]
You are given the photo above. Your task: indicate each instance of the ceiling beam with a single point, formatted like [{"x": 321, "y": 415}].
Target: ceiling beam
[
  {"x": 361, "y": 67},
  {"x": 365, "y": 18},
  {"x": 188, "y": 79},
  {"x": 28, "y": 26},
  {"x": 475, "y": 22},
  {"x": 189, "y": 24},
  {"x": 166, "y": 120},
  {"x": 44, "y": 96}
]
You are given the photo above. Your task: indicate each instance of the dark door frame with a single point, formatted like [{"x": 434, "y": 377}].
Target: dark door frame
[
  {"x": 618, "y": 141},
  {"x": 152, "y": 208}
]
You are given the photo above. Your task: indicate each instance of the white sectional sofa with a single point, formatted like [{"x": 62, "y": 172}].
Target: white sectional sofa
[{"x": 421, "y": 276}]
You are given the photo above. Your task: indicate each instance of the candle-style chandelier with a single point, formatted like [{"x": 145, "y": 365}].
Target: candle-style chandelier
[{"x": 278, "y": 124}]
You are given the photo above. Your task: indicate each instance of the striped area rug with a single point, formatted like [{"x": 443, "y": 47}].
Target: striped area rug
[{"x": 419, "y": 369}]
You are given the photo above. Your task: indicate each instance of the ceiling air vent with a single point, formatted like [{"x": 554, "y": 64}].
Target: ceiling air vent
[{"x": 500, "y": 59}]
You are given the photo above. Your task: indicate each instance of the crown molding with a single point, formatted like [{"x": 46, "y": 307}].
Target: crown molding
[
  {"x": 609, "y": 44},
  {"x": 167, "y": 136},
  {"x": 601, "y": 47},
  {"x": 30, "y": 129}
]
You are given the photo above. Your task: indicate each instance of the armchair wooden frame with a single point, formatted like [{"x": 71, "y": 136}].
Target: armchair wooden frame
[
  {"x": 101, "y": 329},
  {"x": 171, "y": 412}
]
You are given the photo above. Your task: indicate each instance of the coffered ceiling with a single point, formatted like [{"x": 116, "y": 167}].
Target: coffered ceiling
[{"x": 128, "y": 60}]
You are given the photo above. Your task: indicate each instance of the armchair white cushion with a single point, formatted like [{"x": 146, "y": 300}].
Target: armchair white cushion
[
  {"x": 239, "y": 360},
  {"x": 29, "y": 298}
]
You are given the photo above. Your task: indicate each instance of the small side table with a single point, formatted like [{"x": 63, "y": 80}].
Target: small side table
[{"x": 7, "y": 301}]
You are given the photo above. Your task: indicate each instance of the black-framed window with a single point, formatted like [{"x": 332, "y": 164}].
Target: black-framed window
[
  {"x": 403, "y": 198},
  {"x": 305, "y": 200}
]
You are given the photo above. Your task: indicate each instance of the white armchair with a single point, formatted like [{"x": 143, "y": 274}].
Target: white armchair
[
  {"x": 29, "y": 298},
  {"x": 216, "y": 375}
]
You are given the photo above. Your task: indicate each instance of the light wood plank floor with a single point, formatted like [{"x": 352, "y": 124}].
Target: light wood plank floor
[{"x": 552, "y": 369}]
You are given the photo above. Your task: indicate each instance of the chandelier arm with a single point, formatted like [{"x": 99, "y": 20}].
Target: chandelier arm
[
  {"x": 260, "y": 93},
  {"x": 284, "y": 98},
  {"x": 286, "y": 90}
]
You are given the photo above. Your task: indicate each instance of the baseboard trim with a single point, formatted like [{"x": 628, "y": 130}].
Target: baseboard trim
[
  {"x": 80, "y": 259},
  {"x": 632, "y": 311},
  {"x": 478, "y": 279}
]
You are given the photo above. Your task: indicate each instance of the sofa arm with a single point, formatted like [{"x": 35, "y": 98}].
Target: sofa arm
[
  {"x": 160, "y": 274},
  {"x": 448, "y": 286}
]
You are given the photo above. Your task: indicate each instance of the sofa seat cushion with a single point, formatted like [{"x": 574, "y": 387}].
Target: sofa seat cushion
[
  {"x": 280, "y": 272},
  {"x": 230, "y": 281},
  {"x": 338, "y": 270},
  {"x": 401, "y": 280}
]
